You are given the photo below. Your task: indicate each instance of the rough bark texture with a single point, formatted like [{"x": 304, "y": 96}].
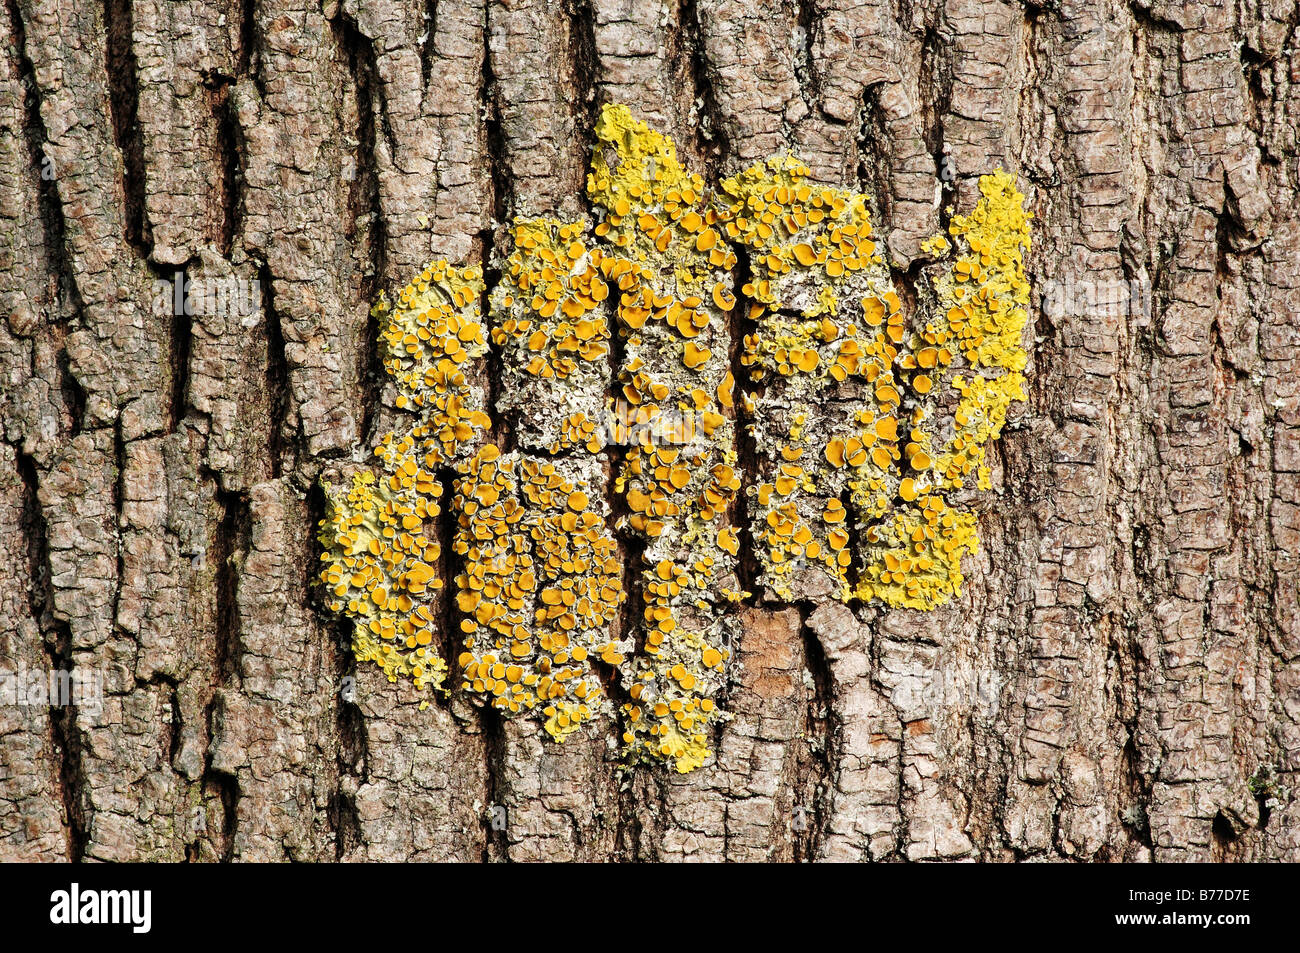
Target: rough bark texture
[{"x": 1121, "y": 678}]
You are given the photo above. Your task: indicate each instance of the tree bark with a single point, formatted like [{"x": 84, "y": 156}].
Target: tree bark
[{"x": 1120, "y": 679}]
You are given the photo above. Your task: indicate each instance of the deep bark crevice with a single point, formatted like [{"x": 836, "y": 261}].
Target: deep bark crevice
[
  {"x": 712, "y": 143},
  {"x": 585, "y": 73},
  {"x": 179, "y": 345},
  {"x": 489, "y": 240},
  {"x": 631, "y": 544},
  {"x": 228, "y": 150},
  {"x": 496, "y": 818},
  {"x": 66, "y": 736},
  {"x": 818, "y": 765},
  {"x": 124, "y": 105},
  {"x": 230, "y": 546},
  {"x": 428, "y": 42},
  {"x": 352, "y": 760},
  {"x": 278, "y": 392},
  {"x": 449, "y": 641},
  {"x": 73, "y": 394},
  {"x": 875, "y": 150},
  {"x": 246, "y": 37},
  {"x": 807, "y": 25},
  {"x": 119, "y": 523},
  {"x": 366, "y": 227},
  {"x": 222, "y": 788},
  {"x": 496, "y": 156},
  {"x": 46, "y": 172},
  {"x": 744, "y": 391},
  {"x": 935, "y": 84}
]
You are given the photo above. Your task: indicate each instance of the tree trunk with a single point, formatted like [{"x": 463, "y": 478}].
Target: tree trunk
[{"x": 1120, "y": 679}]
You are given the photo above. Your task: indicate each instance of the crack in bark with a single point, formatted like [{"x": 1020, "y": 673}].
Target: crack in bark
[
  {"x": 230, "y": 546},
  {"x": 449, "y": 566},
  {"x": 711, "y": 143},
  {"x": 585, "y": 71},
  {"x": 178, "y": 351},
  {"x": 366, "y": 223},
  {"x": 874, "y": 151},
  {"x": 352, "y": 758},
  {"x": 502, "y": 199},
  {"x": 807, "y": 23},
  {"x": 936, "y": 83},
  {"x": 744, "y": 389},
  {"x": 72, "y": 393},
  {"x": 227, "y": 159},
  {"x": 66, "y": 736},
  {"x": 119, "y": 523},
  {"x": 499, "y": 174},
  {"x": 53, "y": 219},
  {"x": 496, "y": 843},
  {"x": 819, "y": 768},
  {"x": 278, "y": 390},
  {"x": 351, "y": 744},
  {"x": 124, "y": 104},
  {"x": 428, "y": 51}
]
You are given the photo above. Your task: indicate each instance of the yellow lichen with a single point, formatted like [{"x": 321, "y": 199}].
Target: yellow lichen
[
  {"x": 540, "y": 587},
  {"x": 976, "y": 326},
  {"x": 673, "y": 272},
  {"x": 380, "y": 562},
  {"x": 828, "y": 324},
  {"x": 869, "y": 429}
]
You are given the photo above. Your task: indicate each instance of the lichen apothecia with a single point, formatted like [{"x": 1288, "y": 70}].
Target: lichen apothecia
[{"x": 615, "y": 344}]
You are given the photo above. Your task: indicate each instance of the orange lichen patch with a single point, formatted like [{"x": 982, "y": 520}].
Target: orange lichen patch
[
  {"x": 828, "y": 331},
  {"x": 868, "y": 432},
  {"x": 677, "y": 504},
  {"x": 561, "y": 288},
  {"x": 579, "y": 430},
  {"x": 379, "y": 565},
  {"x": 985, "y": 294},
  {"x": 667, "y": 260},
  {"x": 828, "y": 318},
  {"x": 673, "y": 273},
  {"x": 913, "y": 559},
  {"x": 541, "y": 583},
  {"x": 550, "y": 317},
  {"x": 383, "y": 578},
  {"x": 695, "y": 355},
  {"x": 982, "y": 303},
  {"x": 794, "y": 227},
  {"x": 431, "y": 335}
]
